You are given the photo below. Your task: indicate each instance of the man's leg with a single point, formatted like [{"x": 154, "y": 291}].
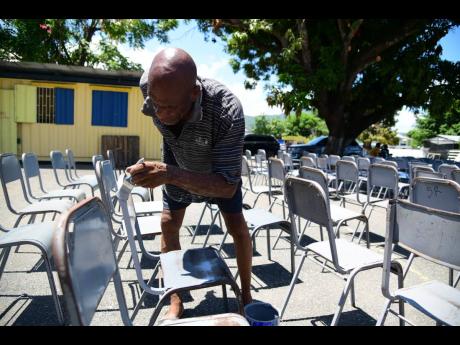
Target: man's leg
[
  {"x": 171, "y": 222},
  {"x": 237, "y": 228}
]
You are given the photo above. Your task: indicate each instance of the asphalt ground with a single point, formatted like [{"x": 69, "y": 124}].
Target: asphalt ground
[{"x": 25, "y": 297}]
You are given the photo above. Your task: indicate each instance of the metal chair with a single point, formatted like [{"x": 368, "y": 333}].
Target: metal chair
[
  {"x": 58, "y": 163},
  {"x": 113, "y": 161},
  {"x": 10, "y": 171},
  {"x": 446, "y": 169},
  {"x": 32, "y": 169},
  {"x": 425, "y": 173},
  {"x": 438, "y": 194},
  {"x": 436, "y": 238},
  {"x": 339, "y": 215},
  {"x": 73, "y": 166},
  {"x": 86, "y": 264},
  {"x": 456, "y": 175},
  {"x": 183, "y": 270},
  {"x": 307, "y": 162},
  {"x": 307, "y": 199},
  {"x": 38, "y": 235},
  {"x": 349, "y": 159}
]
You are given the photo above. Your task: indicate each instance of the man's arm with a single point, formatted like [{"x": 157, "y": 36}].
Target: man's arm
[{"x": 153, "y": 174}]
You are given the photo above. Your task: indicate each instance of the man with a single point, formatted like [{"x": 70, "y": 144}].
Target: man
[
  {"x": 375, "y": 151},
  {"x": 202, "y": 124}
]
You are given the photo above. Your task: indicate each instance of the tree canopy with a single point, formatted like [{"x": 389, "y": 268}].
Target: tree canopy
[
  {"x": 354, "y": 72},
  {"x": 68, "y": 41}
]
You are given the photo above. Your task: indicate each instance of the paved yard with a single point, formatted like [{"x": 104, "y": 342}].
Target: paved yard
[{"x": 25, "y": 296}]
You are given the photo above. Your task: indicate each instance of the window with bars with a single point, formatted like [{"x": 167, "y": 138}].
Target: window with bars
[{"x": 45, "y": 105}]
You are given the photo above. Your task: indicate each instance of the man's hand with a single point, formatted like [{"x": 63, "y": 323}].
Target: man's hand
[{"x": 149, "y": 174}]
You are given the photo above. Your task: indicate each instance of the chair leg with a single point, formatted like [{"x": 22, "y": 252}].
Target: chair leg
[
  {"x": 451, "y": 277},
  {"x": 384, "y": 313},
  {"x": 291, "y": 286},
  {"x": 342, "y": 300},
  {"x": 277, "y": 238},
  {"x": 199, "y": 223},
  {"x": 210, "y": 227},
  {"x": 122, "y": 251},
  {"x": 49, "y": 273},
  {"x": 4, "y": 258},
  {"x": 352, "y": 295},
  {"x": 158, "y": 307},
  {"x": 224, "y": 294},
  {"x": 269, "y": 252},
  {"x": 408, "y": 264},
  {"x": 144, "y": 293},
  {"x": 457, "y": 280}
]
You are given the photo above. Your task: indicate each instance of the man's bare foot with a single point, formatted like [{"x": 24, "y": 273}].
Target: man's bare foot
[{"x": 176, "y": 308}]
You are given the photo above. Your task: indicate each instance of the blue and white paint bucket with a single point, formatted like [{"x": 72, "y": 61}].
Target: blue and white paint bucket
[{"x": 261, "y": 314}]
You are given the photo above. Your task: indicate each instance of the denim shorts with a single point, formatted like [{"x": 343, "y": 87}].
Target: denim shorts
[{"x": 226, "y": 205}]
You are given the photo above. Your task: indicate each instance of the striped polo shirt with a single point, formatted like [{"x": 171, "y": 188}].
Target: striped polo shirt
[{"x": 211, "y": 141}]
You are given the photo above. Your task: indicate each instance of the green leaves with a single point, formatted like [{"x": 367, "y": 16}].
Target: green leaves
[{"x": 74, "y": 41}]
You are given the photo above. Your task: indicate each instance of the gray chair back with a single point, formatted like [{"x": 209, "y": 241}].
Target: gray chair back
[
  {"x": 322, "y": 163},
  {"x": 446, "y": 169},
  {"x": 31, "y": 170},
  {"x": 314, "y": 174},
  {"x": 347, "y": 170},
  {"x": 287, "y": 160},
  {"x": 111, "y": 158},
  {"x": 276, "y": 169},
  {"x": 425, "y": 173},
  {"x": 95, "y": 159},
  {"x": 86, "y": 262},
  {"x": 262, "y": 153},
  {"x": 382, "y": 176},
  {"x": 311, "y": 155},
  {"x": 363, "y": 164},
  {"x": 420, "y": 166},
  {"x": 307, "y": 162},
  {"x": 349, "y": 158},
  {"x": 107, "y": 183},
  {"x": 58, "y": 163},
  {"x": 436, "y": 193},
  {"x": 456, "y": 175},
  {"x": 378, "y": 160},
  {"x": 10, "y": 171},
  {"x": 436, "y": 237},
  {"x": 71, "y": 162},
  {"x": 333, "y": 160},
  {"x": 307, "y": 199},
  {"x": 390, "y": 163}
]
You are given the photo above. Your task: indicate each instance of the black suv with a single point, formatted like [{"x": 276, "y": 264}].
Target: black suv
[
  {"x": 318, "y": 145},
  {"x": 253, "y": 142}
]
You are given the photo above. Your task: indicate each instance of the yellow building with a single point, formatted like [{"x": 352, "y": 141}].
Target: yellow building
[{"x": 46, "y": 107}]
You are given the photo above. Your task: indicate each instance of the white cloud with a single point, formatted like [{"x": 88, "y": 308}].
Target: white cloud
[
  {"x": 253, "y": 101},
  {"x": 213, "y": 69},
  {"x": 140, "y": 56}
]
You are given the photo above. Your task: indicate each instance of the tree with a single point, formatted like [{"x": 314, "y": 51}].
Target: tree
[
  {"x": 262, "y": 126},
  {"x": 355, "y": 72},
  {"x": 68, "y": 41},
  {"x": 432, "y": 124},
  {"x": 380, "y": 133}
]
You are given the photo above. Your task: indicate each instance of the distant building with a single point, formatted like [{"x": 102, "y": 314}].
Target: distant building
[
  {"x": 441, "y": 144},
  {"x": 46, "y": 107}
]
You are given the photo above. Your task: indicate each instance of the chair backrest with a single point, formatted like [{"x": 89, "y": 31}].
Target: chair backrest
[
  {"x": 95, "y": 159},
  {"x": 262, "y": 153},
  {"x": 276, "y": 169},
  {"x": 307, "y": 199},
  {"x": 333, "y": 160},
  {"x": 347, "y": 170},
  {"x": 425, "y": 173},
  {"x": 420, "y": 166},
  {"x": 85, "y": 261},
  {"x": 58, "y": 163},
  {"x": 248, "y": 154},
  {"x": 279, "y": 154},
  {"x": 390, "y": 163},
  {"x": 314, "y": 174},
  {"x": 349, "y": 158},
  {"x": 111, "y": 158},
  {"x": 307, "y": 162},
  {"x": 363, "y": 164},
  {"x": 31, "y": 170},
  {"x": 107, "y": 183},
  {"x": 430, "y": 233},
  {"x": 376, "y": 160},
  {"x": 10, "y": 171},
  {"x": 436, "y": 193},
  {"x": 71, "y": 159},
  {"x": 322, "y": 163},
  {"x": 456, "y": 175},
  {"x": 446, "y": 169},
  {"x": 380, "y": 175},
  {"x": 287, "y": 160},
  {"x": 310, "y": 154}
]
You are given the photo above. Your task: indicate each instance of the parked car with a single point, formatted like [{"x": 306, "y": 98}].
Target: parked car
[
  {"x": 254, "y": 142},
  {"x": 318, "y": 145}
]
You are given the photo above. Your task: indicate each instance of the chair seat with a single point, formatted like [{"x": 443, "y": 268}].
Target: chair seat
[
  {"x": 363, "y": 198},
  {"x": 64, "y": 193},
  {"x": 90, "y": 180},
  {"x": 142, "y": 192},
  {"x": 48, "y": 206},
  {"x": 150, "y": 225},
  {"x": 191, "y": 269},
  {"x": 340, "y": 213},
  {"x": 38, "y": 234},
  {"x": 147, "y": 207},
  {"x": 350, "y": 255},
  {"x": 257, "y": 217},
  {"x": 227, "y": 319},
  {"x": 439, "y": 300}
]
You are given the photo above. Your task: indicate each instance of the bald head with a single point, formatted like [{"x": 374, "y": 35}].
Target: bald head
[
  {"x": 172, "y": 85},
  {"x": 174, "y": 65}
]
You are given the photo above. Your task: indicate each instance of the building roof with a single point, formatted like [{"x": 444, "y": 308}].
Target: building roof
[{"x": 67, "y": 73}]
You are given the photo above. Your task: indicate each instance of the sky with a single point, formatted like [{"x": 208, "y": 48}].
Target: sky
[{"x": 213, "y": 62}]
